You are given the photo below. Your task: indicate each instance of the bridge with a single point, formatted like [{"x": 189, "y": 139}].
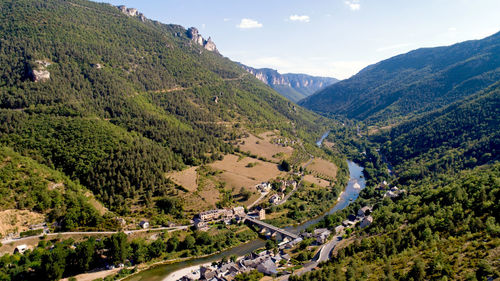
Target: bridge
[{"x": 271, "y": 228}]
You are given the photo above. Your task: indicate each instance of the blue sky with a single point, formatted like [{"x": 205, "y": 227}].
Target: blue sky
[{"x": 334, "y": 38}]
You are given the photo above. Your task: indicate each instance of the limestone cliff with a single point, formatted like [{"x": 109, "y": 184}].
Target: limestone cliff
[
  {"x": 292, "y": 86},
  {"x": 196, "y": 37}
]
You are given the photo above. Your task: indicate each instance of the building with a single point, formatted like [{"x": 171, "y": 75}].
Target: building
[
  {"x": 201, "y": 225},
  {"x": 364, "y": 211},
  {"x": 268, "y": 267},
  {"x": 262, "y": 213},
  {"x": 321, "y": 235},
  {"x": 263, "y": 187},
  {"x": 239, "y": 211},
  {"x": 21, "y": 249},
  {"x": 366, "y": 221},
  {"x": 211, "y": 215},
  {"x": 339, "y": 229},
  {"x": 275, "y": 199},
  {"x": 144, "y": 224}
]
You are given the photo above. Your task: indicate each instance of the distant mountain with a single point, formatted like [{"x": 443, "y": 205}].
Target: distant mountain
[
  {"x": 413, "y": 83},
  {"x": 292, "y": 86}
]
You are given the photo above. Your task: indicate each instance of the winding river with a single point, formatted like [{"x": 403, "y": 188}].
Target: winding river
[{"x": 351, "y": 192}]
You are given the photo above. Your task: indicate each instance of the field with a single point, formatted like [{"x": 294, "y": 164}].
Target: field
[
  {"x": 316, "y": 181},
  {"x": 237, "y": 174},
  {"x": 262, "y": 146},
  {"x": 10, "y": 220},
  {"x": 323, "y": 169},
  {"x": 186, "y": 178}
]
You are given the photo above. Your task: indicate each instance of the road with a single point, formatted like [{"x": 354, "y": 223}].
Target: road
[
  {"x": 321, "y": 256},
  {"x": 169, "y": 229},
  {"x": 258, "y": 200}
]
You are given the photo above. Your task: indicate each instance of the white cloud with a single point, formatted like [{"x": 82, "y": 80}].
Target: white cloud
[
  {"x": 353, "y": 4},
  {"x": 249, "y": 23},
  {"x": 303, "y": 18}
]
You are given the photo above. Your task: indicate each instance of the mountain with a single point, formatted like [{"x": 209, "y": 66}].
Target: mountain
[
  {"x": 114, "y": 100},
  {"x": 444, "y": 195},
  {"x": 460, "y": 136},
  {"x": 292, "y": 86},
  {"x": 412, "y": 83}
]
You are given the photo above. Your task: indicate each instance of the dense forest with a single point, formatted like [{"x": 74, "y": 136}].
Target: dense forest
[
  {"x": 409, "y": 84},
  {"x": 128, "y": 99},
  {"x": 442, "y": 229}
]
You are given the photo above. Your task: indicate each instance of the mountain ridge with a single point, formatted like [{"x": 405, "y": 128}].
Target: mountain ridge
[
  {"x": 412, "y": 83},
  {"x": 294, "y": 86}
]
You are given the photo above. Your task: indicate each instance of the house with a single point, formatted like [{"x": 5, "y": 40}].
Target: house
[
  {"x": 292, "y": 183},
  {"x": 364, "y": 211},
  {"x": 263, "y": 187},
  {"x": 207, "y": 273},
  {"x": 268, "y": 267},
  {"x": 366, "y": 221},
  {"x": 21, "y": 249},
  {"x": 144, "y": 224},
  {"x": 211, "y": 215},
  {"x": 201, "y": 225},
  {"x": 239, "y": 211},
  {"x": 339, "y": 229},
  {"x": 321, "y": 235},
  {"x": 275, "y": 199}
]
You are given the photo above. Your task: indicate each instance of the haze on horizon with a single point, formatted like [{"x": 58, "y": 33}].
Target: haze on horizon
[{"x": 335, "y": 38}]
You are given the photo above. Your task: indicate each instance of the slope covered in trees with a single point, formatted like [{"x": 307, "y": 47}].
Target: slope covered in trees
[
  {"x": 460, "y": 136},
  {"x": 413, "y": 83},
  {"x": 128, "y": 99}
]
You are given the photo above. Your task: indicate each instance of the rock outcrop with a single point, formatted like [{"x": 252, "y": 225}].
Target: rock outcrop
[
  {"x": 131, "y": 12},
  {"x": 196, "y": 37},
  {"x": 38, "y": 71}
]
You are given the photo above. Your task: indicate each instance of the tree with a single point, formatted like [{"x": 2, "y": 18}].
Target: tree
[
  {"x": 53, "y": 263},
  {"x": 285, "y": 166},
  {"x": 118, "y": 247},
  {"x": 84, "y": 255},
  {"x": 189, "y": 242}
]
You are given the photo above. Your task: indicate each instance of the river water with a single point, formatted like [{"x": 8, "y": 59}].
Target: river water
[{"x": 351, "y": 192}]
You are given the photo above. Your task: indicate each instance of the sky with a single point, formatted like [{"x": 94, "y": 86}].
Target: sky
[{"x": 334, "y": 38}]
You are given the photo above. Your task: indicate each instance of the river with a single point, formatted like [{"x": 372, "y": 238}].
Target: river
[
  {"x": 351, "y": 192},
  {"x": 323, "y": 137}
]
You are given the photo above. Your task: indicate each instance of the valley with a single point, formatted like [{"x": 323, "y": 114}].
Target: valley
[{"x": 131, "y": 149}]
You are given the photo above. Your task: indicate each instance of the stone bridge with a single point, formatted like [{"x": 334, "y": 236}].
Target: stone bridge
[{"x": 271, "y": 228}]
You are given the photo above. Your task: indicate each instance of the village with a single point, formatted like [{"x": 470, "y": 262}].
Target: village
[{"x": 270, "y": 262}]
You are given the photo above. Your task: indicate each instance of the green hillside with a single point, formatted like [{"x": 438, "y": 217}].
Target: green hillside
[
  {"x": 128, "y": 99},
  {"x": 460, "y": 136},
  {"x": 27, "y": 185},
  {"x": 412, "y": 83}
]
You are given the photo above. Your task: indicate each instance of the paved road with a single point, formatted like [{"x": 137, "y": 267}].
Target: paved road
[
  {"x": 169, "y": 229},
  {"x": 321, "y": 256},
  {"x": 258, "y": 200}
]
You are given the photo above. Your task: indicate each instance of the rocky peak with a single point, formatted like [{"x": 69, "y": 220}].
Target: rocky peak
[
  {"x": 131, "y": 12},
  {"x": 196, "y": 37}
]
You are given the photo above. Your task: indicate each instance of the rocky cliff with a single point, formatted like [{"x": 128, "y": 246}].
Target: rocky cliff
[
  {"x": 292, "y": 86},
  {"x": 196, "y": 37}
]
